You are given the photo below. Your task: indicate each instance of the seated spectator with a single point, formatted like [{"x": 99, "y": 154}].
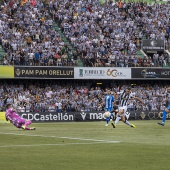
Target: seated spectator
[
  {"x": 92, "y": 29},
  {"x": 75, "y": 96}
]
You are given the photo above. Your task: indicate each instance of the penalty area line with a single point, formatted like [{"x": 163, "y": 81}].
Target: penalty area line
[{"x": 71, "y": 138}]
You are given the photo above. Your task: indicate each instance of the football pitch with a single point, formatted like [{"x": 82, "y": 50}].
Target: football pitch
[{"x": 86, "y": 146}]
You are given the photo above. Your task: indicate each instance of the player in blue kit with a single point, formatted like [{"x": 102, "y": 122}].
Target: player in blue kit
[
  {"x": 109, "y": 101},
  {"x": 167, "y": 108}
]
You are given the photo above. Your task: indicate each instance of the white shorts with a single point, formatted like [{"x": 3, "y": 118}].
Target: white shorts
[{"x": 125, "y": 113}]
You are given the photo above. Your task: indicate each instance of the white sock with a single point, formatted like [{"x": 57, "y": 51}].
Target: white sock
[
  {"x": 128, "y": 123},
  {"x": 117, "y": 119}
]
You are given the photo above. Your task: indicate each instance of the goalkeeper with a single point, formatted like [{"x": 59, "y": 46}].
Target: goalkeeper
[{"x": 16, "y": 120}]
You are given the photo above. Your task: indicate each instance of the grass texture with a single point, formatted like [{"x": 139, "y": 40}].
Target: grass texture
[{"x": 86, "y": 146}]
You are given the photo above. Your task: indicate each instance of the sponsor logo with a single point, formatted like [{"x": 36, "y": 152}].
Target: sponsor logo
[
  {"x": 115, "y": 73},
  {"x": 52, "y": 72},
  {"x": 86, "y": 116},
  {"x": 94, "y": 73},
  {"x": 149, "y": 74},
  {"x": 18, "y": 72},
  {"x": 81, "y": 72},
  {"x": 152, "y": 115},
  {"x": 48, "y": 116},
  {"x": 142, "y": 115},
  {"x": 165, "y": 73},
  {"x": 83, "y": 115},
  {"x": 96, "y": 116},
  {"x": 103, "y": 73},
  {"x": 43, "y": 72},
  {"x": 153, "y": 43},
  {"x": 92, "y": 116}
]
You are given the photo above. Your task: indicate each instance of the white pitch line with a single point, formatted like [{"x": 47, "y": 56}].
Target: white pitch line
[
  {"x": 36, "y": 145},
  {"x": 82, "y": 139}
]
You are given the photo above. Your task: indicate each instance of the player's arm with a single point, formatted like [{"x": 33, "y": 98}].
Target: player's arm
[
  {"x": 121, "y": 95},
  {"x": 166, "y": 98},
  {"x": 115, "y": 96},
  {"x": 13, "y": 110},
  {"x": 104, "y": 100},
  {"x": 113, "y": 99},
  {"x": 6, "y": 118},
  {"x": 115, "y": 110},
  {"x": 124, "y": 98}
]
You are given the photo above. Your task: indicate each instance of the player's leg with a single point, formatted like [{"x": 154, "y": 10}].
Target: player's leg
[
  {"x": 18, "y": 122},
  {"x": 167, "y": 110},
  {"x": 108, "y": 118},
  {"x": 107, "y": 121},
  {"x": 24, "y": 124},
  {"x": 121, "y": 111},
  {"x": 112, "y": 116},
  {"x": 28, "y": 122},
  {"x": 125, "y": 120}
]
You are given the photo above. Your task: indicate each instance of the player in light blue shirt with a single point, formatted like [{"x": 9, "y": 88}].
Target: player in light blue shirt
[
  {"x": 109, "y": 101},
  {"x": 167, "y": 109}
]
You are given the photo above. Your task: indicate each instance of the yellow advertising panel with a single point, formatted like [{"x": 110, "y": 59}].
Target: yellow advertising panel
[
  {"x": 6, "y": 72},
  {"x": 2, "y": 117}
]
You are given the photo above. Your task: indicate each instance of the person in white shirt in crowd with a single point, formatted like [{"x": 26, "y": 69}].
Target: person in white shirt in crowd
[
  {"x": 58, "y": 106},
  {"x": 52, "y": 108}
]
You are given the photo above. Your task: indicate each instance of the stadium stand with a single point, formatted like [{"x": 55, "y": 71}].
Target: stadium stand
[
  {"x": 100, "y": 30},
  {"x": 69, "y": 95},
  {"x": 28, "y": 38},
  {"x": 85, "y": 33},
  {"x": 2, "y": 53},
  {"x": 93, "y": 34}
]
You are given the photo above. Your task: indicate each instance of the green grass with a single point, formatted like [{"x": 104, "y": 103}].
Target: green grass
[{"x": 85, "y": 146}]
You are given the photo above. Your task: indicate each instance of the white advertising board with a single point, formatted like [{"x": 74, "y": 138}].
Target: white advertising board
[{"x": 102, "y": 73}]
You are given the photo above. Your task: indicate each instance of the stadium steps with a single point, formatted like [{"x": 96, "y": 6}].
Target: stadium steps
[
  {"x": 55, "y": 26},
  {"x": 140, "y": 54}
]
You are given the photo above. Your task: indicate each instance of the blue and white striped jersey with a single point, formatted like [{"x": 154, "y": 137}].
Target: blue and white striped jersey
[{"x": 109, "y": 99}]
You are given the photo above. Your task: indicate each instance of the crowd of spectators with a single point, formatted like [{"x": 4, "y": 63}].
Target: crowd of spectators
[
  {"x": 67, "y": 96},
  {"x": 110, "y": 34},
  {"x": 27, "y": 37},
  {"x": 102, "y": 35}
]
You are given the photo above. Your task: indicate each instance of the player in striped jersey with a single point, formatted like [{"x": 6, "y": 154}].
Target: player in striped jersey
[
  {"x": 167, "y": 109},
  {"x": 125, "y": 95}
]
